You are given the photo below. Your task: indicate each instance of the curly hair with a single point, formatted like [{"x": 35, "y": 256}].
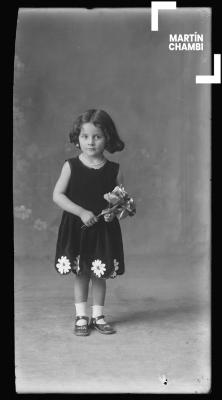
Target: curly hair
[{"x": 102, "y": 120}]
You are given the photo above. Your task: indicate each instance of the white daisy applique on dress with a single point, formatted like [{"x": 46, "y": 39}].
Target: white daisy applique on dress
[
  {"x": 76, "y": 266},
  {"x": 98, "y": 268},
  {"x": 116, "y": 265},
  {"x": 63, "y": 266},
  {"x": 113, "y": 275}
]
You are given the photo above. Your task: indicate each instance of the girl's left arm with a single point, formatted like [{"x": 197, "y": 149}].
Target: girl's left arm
[
  {"x": 120, "y": 181},
  {"x": 120, "y": 178}
]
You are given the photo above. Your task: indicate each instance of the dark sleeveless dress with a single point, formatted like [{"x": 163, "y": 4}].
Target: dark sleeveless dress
[{"x": 96, "y": 250}]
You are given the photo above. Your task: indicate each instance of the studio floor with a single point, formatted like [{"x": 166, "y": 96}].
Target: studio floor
[{"x": 159, "y": 307}]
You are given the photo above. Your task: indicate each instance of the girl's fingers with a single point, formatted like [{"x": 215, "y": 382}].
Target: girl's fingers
[
  {"x": 92, "y": 221},
  {"x": 108, "y": 217}
]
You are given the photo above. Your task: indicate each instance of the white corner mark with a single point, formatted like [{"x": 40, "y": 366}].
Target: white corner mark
[
  {"x": 216, "y": 77},
  {"x": 160, "y": 5}
]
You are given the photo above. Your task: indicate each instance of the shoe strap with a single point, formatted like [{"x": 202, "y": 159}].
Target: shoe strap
[
  {"x": 78, "y": 317},
  {"x": 99, "y": 317}
]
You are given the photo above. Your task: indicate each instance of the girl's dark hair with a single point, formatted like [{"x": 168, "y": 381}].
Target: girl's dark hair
[{"x": 102, "y": 120}]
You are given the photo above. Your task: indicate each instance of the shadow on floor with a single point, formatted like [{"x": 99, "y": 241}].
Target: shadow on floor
[{"x": 151, "y": 313}]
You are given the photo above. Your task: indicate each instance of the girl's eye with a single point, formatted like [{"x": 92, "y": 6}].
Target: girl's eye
[{"x": 85, "y": 136}]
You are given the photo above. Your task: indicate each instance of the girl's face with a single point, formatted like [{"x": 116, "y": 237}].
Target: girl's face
[{"x": 92, "y": 140}]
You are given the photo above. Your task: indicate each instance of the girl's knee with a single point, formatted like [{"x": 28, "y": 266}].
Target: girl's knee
[
  {"x": 82, "y": 278},
  {"x": 98, "y": 281}
]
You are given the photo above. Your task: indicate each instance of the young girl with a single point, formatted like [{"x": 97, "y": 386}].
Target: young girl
[{"x": 93, "y": 252}]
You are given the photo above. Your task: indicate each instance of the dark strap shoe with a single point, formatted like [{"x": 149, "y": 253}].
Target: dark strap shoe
[
  {"x": 81, "y": 330},
  {"x": 102, "y": 328}
]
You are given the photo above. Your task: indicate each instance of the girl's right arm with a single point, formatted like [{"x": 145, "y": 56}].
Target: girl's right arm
[
  {"x": 59, "y": 196},
  {"x": 65, "y": 203}
]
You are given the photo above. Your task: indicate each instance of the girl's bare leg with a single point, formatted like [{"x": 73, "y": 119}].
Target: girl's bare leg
[
  {"x": 98, "y": 291},
  {"x": 98, "y": 297},
  {"x": 81, "y": 289}
]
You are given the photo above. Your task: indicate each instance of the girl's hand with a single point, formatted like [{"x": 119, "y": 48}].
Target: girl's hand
[
  {"x": 88, "y": 218},
  {"x": 109, "y": 217}
]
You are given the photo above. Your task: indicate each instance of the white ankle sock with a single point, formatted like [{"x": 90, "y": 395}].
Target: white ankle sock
[
  {"x": 81, "y": 310},
  {"x": 96, "y": 312}
]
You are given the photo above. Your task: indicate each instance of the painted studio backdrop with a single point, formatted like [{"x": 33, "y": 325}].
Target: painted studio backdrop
[{"x": 67, "y": 61}]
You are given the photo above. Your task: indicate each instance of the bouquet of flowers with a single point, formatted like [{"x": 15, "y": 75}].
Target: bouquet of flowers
[{"x": 120, "y": 204}]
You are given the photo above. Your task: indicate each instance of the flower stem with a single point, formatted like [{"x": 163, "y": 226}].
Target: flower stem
[{"x": 106, "y": 211}]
